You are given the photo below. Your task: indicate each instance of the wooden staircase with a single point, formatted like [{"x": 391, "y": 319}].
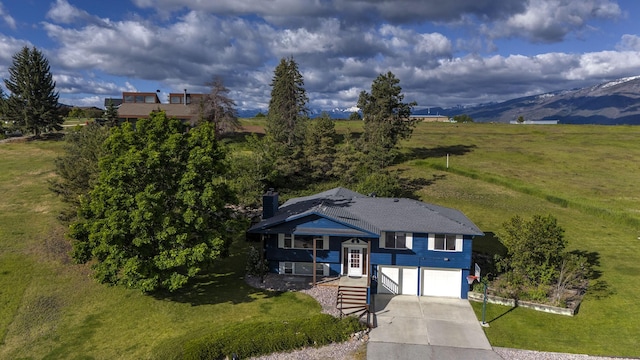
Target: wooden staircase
[{"x": 352, "y": 300}]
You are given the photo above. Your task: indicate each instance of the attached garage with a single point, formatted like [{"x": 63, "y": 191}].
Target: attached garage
[
  {"x": 397, "y": 280},
  {"x": 441, "y": 282}
]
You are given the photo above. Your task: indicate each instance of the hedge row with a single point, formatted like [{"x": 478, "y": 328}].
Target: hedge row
[{"x": 259, "y": 338}]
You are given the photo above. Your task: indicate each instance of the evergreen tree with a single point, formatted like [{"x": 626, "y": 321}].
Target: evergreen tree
[
  {"x": 286, "y": 123},
  {"x": 320, "y": 149},
  {"x": 77, "y": 168},
  {"x": 33, "y": 102},
  {"x": 348, "y": 163},
  {"x": 158, "y": 212},
  {"x": 111, "y": 114},
  {"x": 218, "y": 108},
  {"x": 386, "y": 119},
  {"x": 288, "y": 105}
]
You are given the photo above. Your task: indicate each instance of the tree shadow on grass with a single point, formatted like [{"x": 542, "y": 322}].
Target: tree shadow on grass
[
  {"x": 216, "y": 288},
  {"x": 411, "y": 187},
  {"x": 594, "y": 260},
  {"x": 436, "y": 152},
  {"x": 222, "y": 282}
]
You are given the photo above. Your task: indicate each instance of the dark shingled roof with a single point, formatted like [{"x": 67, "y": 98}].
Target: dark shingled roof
[{"x": 373, "y": 214}]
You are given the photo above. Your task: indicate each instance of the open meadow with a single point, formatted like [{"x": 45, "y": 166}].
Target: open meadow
[{"x": 586, "y": 176}]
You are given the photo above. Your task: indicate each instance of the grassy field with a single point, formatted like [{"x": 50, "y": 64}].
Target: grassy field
[
  {"x": 587, "y": 177},
  {"x": 584, "y": 175}
]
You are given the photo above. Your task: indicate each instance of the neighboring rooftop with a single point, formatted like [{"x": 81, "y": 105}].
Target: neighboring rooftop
[{"x": 138, "y": 105}]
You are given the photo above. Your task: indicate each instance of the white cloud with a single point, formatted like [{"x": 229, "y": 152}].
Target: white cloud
[
  {"x": 629, "y": 42},
  {"x": 552, "y": 20},
  {"x": 8, "y": 19}
]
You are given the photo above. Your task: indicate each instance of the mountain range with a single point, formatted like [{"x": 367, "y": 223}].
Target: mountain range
[{"x": 611, "y": 103}]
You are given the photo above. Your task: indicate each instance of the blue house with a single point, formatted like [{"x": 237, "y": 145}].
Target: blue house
[{"x": 396, "y": 245}]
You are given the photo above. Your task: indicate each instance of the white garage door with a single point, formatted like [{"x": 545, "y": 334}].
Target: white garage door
[
  {"x": 441, "y": 282},
  {"x": 397, "y": 280}
]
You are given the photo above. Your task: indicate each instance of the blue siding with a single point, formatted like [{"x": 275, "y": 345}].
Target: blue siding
[
  {"x": 418, "y": 256},
  {"x": 421, "y": 256}
]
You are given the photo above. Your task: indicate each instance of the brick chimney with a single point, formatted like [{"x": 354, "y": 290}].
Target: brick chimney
[{"x": 269, "y": 204}]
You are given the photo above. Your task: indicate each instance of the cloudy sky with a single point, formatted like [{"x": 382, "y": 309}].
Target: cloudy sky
[{"x": 445, "y": 53}]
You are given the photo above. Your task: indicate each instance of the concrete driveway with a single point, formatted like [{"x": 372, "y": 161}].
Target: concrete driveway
[{"x": 419, "y": 327}]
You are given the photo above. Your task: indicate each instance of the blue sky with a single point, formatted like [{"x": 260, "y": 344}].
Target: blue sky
[{"x": 445, "y": 53}]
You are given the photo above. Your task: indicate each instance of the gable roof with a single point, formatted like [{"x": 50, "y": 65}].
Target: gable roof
[{"x": 373, "y": 214}]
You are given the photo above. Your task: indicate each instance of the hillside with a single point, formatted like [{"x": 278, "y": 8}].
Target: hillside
[{"x": 612, "y": 103}]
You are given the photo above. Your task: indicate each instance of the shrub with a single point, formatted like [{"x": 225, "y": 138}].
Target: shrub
[{"x": 260, "y": 338}]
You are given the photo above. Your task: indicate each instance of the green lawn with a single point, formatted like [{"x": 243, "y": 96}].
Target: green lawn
[{"x": 586, "y": 176}]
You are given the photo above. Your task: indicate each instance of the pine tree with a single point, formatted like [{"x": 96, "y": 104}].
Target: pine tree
[
  {"x": 288, "y": 105},
  {"x": 77, "y": 168},
  {"x": 286, "y": 123},
  {"x": 111, "y": 114},
  {"x": 33, "y": 102},
  {"x": 320, "y": 149},
  {"x": 386, "y": 119}
]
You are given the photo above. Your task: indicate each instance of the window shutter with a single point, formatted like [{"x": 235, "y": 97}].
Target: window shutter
[
  {"x": 409, "y": 240},
  {"x": 281, "y": 268},
  {"x": 281, "y": 242},
  {"x": 383, "y": 235},
  {"x": 431, "y": 242},
  {"x": 325, "y": 242},
  {"x": 459, "y": 242}
]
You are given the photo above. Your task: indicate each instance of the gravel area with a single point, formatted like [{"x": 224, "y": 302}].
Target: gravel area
[{"x": 515, "y": 354}]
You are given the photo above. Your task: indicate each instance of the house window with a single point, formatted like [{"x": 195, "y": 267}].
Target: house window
[
  {"x": 128, "y": 99},
  {"x": 303, "y": 268},
  {"x": 445, "y": 242},
  {"x": 395, "y": 240},
  {"x": 290, "y": 241},
  {"x": 150, "y": 99},
  {"x": 176, "y": 99},
  {"x": 139, "y": 98}
]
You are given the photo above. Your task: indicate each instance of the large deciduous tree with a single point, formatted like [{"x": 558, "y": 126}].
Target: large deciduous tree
[
  {"x": 386, "y": 119},
  {"x": 218, "y": 108},
  {"x": 157, "y": 214},
  {"x": 33, "y": 102}
]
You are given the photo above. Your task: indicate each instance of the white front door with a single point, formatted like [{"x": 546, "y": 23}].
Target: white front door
[{"x": 355, "y": 262}]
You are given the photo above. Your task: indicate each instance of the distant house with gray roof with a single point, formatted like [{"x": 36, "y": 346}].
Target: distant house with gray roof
[{"x": 394, "y": 245}]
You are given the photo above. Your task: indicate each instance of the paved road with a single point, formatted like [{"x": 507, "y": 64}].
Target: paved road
[{"x": 419, "y": 327}]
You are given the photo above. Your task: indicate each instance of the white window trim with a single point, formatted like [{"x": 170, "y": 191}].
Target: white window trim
[
  {"x": 432, "y": 243},
  {"x": 283, "y": 264},
  {"x": 408, "y": 241},
  {"x": 281, "y": 237}
]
